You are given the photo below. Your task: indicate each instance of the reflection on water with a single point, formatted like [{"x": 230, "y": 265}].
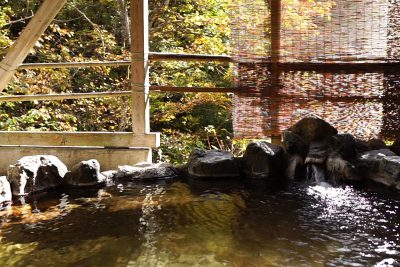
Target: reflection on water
[{"x": 197, "y": 223}]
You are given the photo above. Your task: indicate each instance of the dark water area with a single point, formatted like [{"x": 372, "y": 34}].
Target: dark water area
[{"x": 204, "y": 223}]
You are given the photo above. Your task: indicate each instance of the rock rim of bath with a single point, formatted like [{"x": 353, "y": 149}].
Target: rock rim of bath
[
  {"x": 213, "y": 164},
  {"x": 35, "y": 173},
  {"x": 145, "y": 171},
  {"x": 5, "y": 190},
  {"x": 263, "y": 160},
  {"x": 85, "y": 173}
]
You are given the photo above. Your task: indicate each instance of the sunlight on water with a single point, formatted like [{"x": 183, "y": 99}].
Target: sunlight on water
[{"x": 197, "y": 223}]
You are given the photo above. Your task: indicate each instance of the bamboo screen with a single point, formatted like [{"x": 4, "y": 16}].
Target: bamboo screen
[{"x": 338, "y": 59}]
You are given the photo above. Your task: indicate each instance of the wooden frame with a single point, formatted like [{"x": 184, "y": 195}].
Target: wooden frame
[
  {"x": 102, "y": 139},
  {"x": 29, "y": 36}
]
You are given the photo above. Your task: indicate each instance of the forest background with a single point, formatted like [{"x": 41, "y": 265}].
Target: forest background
[{"x": 98, "y": 30}]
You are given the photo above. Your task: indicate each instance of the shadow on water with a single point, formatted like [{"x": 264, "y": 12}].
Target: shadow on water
[{"x": 231, "y": 222}]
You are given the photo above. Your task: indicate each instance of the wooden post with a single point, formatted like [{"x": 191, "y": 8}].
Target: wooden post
[
  {"x": 276, "y": 7},
  {"x": 29, "y": 36},
  {"x": 139, "y": 66}
]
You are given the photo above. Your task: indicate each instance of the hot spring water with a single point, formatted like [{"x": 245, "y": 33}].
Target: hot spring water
[{"x": 204, "y": 223}]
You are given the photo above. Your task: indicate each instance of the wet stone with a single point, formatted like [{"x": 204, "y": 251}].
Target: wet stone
[
  {"x": 5, "y": 190},
  {"x": 213, "y": 164},
  {"x": 35, "y": 173},
  {"x": 85, "y": 173},
  {"x": 145, "y": 171},
  {"x": 263, "y": 160}
]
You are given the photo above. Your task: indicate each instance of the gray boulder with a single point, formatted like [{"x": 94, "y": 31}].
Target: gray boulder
[
  {"x": 145, "y": 171},
  {"x": 212, "y": 164},
  {"x": 35, "y": 173},
  {"x": 263, "y": 160},
  {"x": 312, "y": 128},
  {"x": 85, "y": 173},
  {"x": 5, "y": 190},
  {"x": 381, "y": 166},
  {"x": 339, "y": 168}
]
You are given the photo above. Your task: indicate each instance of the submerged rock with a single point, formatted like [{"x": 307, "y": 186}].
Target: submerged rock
[
  {"x": 145, "y": 171},
  {"x": 5, "y": 190},
  {"x": 85, "y": 173},
  {"x": 35, "y": 173},
  {"x": 213, "y": 164},
  {"x": 312, "y": 128},
  {"x": 263, "y": 160}
]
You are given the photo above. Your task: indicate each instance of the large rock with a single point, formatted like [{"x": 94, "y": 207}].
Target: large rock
[
  {"x": 145, "y": 171},
  {"x": 381, "y": 166},
  {"x": 263, "y": 160},
  {"x": 376, "y": 144},
  {"x": 294, "y": 144},
  {"x": 345, "y": 145},
  {"x": 318, "y": 152},
  {"x": 35, "y": 173},
  {"x": 85, "y": 173},
  {"x": 396, "y": 147},
  {"x": 212, "y": 164},
  {"x": 5, "y": 190},
  {"x": 339, "y": 168},
  {"x": 312, "y": 128}
]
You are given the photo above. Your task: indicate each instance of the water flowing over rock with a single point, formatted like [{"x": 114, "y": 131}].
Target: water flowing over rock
[
  {"x": 35, "y": 173},
  {"x": 263, "y": 160},
  {"x": 317, "y": 152},
  {"x": 296, "y": 150},
  {"x": 145, "y": 171},
  {"x": 5, "y": 190},
  {"x": 85, "y": 173},
  {"x": 213, "y": 164},
  {"x": 340, "y": 163}
]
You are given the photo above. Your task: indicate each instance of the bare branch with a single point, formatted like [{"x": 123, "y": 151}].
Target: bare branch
[
  {"x": 18, "y": 20},
  {"x": 94, "y": 25}
]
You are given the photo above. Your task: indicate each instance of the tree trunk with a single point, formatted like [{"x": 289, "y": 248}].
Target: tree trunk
[{"x": 124, "y": 15}]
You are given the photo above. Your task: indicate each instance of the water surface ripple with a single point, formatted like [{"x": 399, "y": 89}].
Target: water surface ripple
[{"x": 204, "y": 223}]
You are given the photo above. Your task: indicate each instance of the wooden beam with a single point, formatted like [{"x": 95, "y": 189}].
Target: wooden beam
[
  {"x": 58, "y": 97},
  {"x": 26, "y": 41},
  {"x": 47, "y": 97},
  {"x": 98, "y": 139},
  {"x": 109, "y": 158},
  {"x": 276, "y": 20},
  {"x": 183, "y": 89},
  {"x": 189, "y": 57},
  {"x": 140, "y": 66}
]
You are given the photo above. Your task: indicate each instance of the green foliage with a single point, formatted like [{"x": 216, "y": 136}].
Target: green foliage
[{"x": 89, "y": 30}]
